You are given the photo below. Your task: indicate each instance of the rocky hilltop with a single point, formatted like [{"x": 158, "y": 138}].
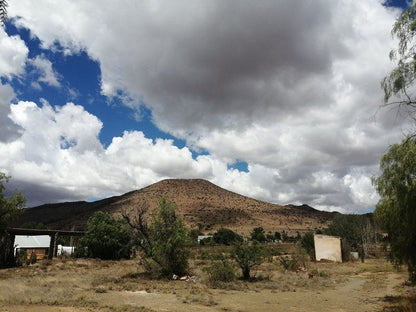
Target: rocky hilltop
[{"x": 202, "y": 204}]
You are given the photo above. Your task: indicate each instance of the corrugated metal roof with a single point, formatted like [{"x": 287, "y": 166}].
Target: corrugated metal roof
[{"x": 37, "y": 241}]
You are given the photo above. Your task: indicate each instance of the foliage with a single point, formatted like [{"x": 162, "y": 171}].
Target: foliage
[
  {"x": 289, "y": 264},
  {"x": 106, "y": 237},
  {"x": 248, "y": 256},
  {"x": 163, "y": 241},
  {"x": 285, "y": 236},
  {"x": 348, "y": 227},
  {"x": 307, "y": 243},
  {"x": 10, "y": 208},
  {"x": 298, "y": 259},
  {"x": 169, "y": 238},
  {"x": 270, "y": 237},
  {"x": 258, "y": 234},
  {"x": 208, "y": 241},
  {"x": 396, "y": 210},
  {"x": 356, "y": 232},
  {"x": 277, "y": 236},
  {"x": 400, "y": 81},
  {"x": 193, "y": 236},
  {"x": 226, "y": 237},
  {"x": 221, "y": 271}
]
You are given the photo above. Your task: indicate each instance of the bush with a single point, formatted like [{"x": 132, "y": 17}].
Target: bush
[
  {"x": 289, "y": 264},
  {"x": 226, "y": 237},
  {"x": 221, "y": 271},
  {"x": 106, "y": 237}
]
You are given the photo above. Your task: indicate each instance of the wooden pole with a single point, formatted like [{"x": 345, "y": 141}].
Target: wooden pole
[
  {"x": 51, "y": 245},
  {"x": 55, "y": 245}
]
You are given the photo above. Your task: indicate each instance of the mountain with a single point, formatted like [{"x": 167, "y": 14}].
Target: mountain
[{"x": 202, "y": 204}]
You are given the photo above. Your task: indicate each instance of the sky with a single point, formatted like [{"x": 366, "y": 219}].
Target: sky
[{"x": 276, "y": 100}]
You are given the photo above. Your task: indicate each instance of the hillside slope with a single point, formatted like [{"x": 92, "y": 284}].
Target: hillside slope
[{"x": 202, "y": 204}]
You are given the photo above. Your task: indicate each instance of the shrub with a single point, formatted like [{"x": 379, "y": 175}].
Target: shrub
[
  {"x": 288, "y": 263},
  {"x": 221, "y": 271}
]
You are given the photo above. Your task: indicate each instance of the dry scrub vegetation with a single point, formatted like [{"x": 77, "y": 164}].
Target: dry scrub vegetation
[{"x": 96, "y": 285}]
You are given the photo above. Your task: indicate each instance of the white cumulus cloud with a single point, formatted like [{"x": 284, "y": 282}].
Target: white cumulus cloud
[{"x": 291, "y": 88}]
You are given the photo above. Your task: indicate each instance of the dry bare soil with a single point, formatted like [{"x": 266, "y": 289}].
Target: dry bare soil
[{"x": 75, "y": 285}]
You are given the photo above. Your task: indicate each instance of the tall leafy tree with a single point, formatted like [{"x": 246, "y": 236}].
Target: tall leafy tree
[
  {"x": 164, "y": 240},
  {"x": 169, "y": 239},
  {"x": 258, "y": 234},
  {"x": 396, "y": 210},
  {"x": 106, "y": 237},
  {"x": 399, "y": 85},
  {"x": 226, "y": 237},
  {"x": 356, "y": 232},
  {"x": 10, "y": 208}
]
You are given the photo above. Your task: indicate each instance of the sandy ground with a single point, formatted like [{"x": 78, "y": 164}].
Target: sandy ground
[{"x": 90, "y": 285}]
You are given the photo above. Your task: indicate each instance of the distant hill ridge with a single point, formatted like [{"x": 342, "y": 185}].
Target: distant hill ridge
[{"x": 202, "y": 204}]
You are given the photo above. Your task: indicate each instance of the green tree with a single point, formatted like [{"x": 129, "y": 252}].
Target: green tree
[
  {"x": 226, "y": 237},
  {"x": 402, "y": 78},
  {"x": 106, "y": 237},
  {"x": 396, "y": 210},
  {"x": 169, "y": 240},
  {"x": 277, "y": 236},
  {"x": 164, "y": 241},
  {"x": 10, "y": 208},
  {"x": 353, "y": 231},
  {"x": 258, "y": 234},
  {"x": 248, "y": 256},
  {"x": 307, "y": 243}
]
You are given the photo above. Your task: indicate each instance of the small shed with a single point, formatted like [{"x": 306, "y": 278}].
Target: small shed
[
  {"x": 201, "y": 237},
  {"x": 33, "y": 244},
  {"x": 327, "y": 248}
]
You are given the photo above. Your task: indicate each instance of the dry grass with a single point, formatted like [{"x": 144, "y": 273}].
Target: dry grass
[
  {"x": 95, "y": 285},
  {"x": 406, "y": 303}
]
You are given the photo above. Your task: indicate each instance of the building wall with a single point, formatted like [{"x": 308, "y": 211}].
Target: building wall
[
  {"x": 327, "y": 247},
  {"x": 40, "y": 253}
]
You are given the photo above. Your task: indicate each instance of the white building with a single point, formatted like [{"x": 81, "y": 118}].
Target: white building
[{"x": 37, "y": 244}]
